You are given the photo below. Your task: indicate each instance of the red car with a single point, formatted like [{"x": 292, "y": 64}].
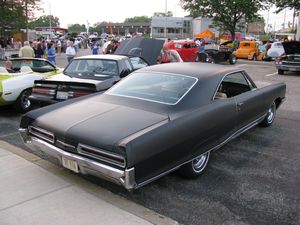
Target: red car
[{"x": 187, "y": 49}]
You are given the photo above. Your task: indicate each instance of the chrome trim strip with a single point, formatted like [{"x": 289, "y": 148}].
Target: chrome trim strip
[
  {"x": 32, "y": 129},
  {"x": 65, "y": 144},
  {"x": 126, "y": 177},
  {"x": 81, "y": 147}
]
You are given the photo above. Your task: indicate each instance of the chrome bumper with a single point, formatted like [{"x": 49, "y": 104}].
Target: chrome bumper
[{"x": 125, "y": 178}]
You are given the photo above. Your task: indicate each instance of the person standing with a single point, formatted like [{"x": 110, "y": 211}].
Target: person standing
[
  {"x": 58, "y": 46},
  {"x": 27, "y": 50},
  {"x": 51, "y": 53},
  {"x": 38, "y": 51},
  {"x": 169, "y": 55},
  {"x": 70, "y": 51},
  {"x": 95, "y": 48}
]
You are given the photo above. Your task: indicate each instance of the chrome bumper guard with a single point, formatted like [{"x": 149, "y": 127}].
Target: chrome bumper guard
[{"x": 124, "y": 178}]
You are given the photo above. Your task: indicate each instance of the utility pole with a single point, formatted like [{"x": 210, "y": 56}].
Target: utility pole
[
  {"x": 50, "y": 22},
  {"x": 166, "y": 7},
  {"x": 26, "y": 14}
]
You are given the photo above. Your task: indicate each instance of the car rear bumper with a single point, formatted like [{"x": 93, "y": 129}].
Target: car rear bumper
[
  {"x": 288, "y": 67},
  {"x": 125, "y": 178}
]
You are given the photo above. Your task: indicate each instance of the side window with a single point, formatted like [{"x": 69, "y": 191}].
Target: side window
[
  {"x": 232, "y": 85},
  {"x": 186, "y": 46},
  {"x": 128, "y": 65}
]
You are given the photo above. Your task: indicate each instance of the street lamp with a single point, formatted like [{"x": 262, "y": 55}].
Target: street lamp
[{"x": 166, "y": 6}]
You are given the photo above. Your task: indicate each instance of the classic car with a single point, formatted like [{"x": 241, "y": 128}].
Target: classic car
[
  {"x": 95, "y": 73},
  {"x": 214, "y": 53},
  {"x": 158, "y": 119},
  {"x": 187, "y": 49},
  {"x": 247, "y": 50},
  {"x": 290, "y": 61},
  {"x": 15, "y": 88},
  {"x": 275, "y": 50}
]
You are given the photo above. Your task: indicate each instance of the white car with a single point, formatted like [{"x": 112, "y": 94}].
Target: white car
[
  {"x": 276, "y": 50},
  {"x": 15, "y": 87}
]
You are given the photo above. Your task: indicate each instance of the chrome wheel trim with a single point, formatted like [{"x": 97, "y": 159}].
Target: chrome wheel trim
[
  {"x": 271, "y": 113},
  {"x": 200, "y": 162},
  {"x": 25, "y": 100},
  {"x": 233, "y": 59}
]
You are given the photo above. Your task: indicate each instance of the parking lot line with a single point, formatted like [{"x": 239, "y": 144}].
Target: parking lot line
[{"x": 271, "y": 74}]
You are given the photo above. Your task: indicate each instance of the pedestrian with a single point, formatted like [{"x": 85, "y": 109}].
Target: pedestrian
[
  {"x": 169, "y": 55},
  {"x": 58, "y": 46},
  {"x": 70, "y": 51},
  {"x": 51, "y": 53},
  {"x": 26, "y": 50},
  {"x": 38, "y": 51},
  {"x": 95, "y": 48}
]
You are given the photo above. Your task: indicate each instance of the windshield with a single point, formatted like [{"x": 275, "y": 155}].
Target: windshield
[
  {"x": 97, "y": 69},
  {"x": 156, "y": 87}
]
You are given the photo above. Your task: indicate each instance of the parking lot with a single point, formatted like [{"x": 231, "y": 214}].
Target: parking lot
[{"x": 254, "y": 179}]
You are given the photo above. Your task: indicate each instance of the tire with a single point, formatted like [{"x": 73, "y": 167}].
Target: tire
[
  {"x": 254, "y": 58},
  {"x": 280, "y": 71},
  {"x": 232, "y": 59},
  {"x": 23, "y": 104},
  {"x": 194, "y": 168},
  {"x": 269, "y": 119}
]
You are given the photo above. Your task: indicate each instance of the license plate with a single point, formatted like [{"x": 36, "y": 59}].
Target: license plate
[
  {"x": 62, "y": 95},
  {"x": 70, "y": 164}
]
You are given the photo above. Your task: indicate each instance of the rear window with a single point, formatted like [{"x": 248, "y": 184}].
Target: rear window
[
  {"x": 156, "y": 87},
  {"x": 98, "y": 69}
]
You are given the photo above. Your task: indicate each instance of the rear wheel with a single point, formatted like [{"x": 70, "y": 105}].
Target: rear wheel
[
  {"x": 280, "y": 71},
  {"x": 269, "y": 119},
  {"x": 195, "y": 167},
  {"x": 23, "y": 103}
]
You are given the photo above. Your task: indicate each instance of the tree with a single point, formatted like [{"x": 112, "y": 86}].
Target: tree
[
  {"x": 168, "y": 14},
  {"x": 225, "y": 14},
  {"x": 76, "y": 28},
  {"x": 44, "y": 21},
  {"x": 138, "y": 19},
  {"x": 16, "y": 13}
]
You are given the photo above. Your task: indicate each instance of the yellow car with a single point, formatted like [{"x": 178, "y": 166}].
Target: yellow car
[{"x": 247, "y": 50}]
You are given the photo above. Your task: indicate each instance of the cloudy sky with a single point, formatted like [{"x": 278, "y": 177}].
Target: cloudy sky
[{"x": 70, "y": 12}]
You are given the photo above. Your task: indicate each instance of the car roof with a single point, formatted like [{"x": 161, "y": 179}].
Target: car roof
[
  {"x": 106, "y": 56},
  {"x": 201, "y": 71}
]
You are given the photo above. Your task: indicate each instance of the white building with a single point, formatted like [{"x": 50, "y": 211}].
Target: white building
[{"x": 172, "y": 27}]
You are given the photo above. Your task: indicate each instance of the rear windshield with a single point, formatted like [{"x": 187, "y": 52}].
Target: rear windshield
[
  {"x": 97, "y": 69},
  {"x": 156, "y": 87}
]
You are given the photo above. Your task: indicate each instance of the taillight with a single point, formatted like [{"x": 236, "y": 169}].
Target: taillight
[
  {"x": 43, "y": 91},
  {"x": 75, "y": 94}
]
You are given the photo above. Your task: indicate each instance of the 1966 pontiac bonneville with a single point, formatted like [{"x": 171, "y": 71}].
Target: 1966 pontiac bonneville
[{"x": 159, "y": 119}]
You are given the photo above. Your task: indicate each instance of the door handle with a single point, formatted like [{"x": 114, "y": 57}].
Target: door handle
[{"x": 239, "y": 105}]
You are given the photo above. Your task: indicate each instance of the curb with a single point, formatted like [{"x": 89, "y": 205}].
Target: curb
[{"x": 97, "y": 191}]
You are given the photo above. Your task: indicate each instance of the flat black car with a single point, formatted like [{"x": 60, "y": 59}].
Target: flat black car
[
  {"x": 96, "y": 73},
  {"x": 218, "y": 53},
  {"x": 158, "y": 119},
  {"x": 290, "y": 61}
]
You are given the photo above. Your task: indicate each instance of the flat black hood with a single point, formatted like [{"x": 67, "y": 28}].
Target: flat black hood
[
  {"x": 147, "y": 48},
  {"x": 291, "y": 47},
  {"x": 94, "y": 123}
]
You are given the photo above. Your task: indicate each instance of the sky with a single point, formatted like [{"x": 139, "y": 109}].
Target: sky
[{"x": 93, "y": 11}]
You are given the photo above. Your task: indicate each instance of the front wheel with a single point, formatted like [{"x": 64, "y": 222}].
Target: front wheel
[
  {"x": 269, "y": 119},
  {"x": 195, "y": 167},
  {"x": 23, "y": 103},
  {"x": 232, "y": 59},
  {"x": 280, "y": 71}
]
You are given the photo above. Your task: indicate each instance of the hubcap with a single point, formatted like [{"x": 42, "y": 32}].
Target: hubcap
[
  {"x": 200, "y": 162},
  {"x": 25, "y": 100},
  {"x": 271, "y": 113}
]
